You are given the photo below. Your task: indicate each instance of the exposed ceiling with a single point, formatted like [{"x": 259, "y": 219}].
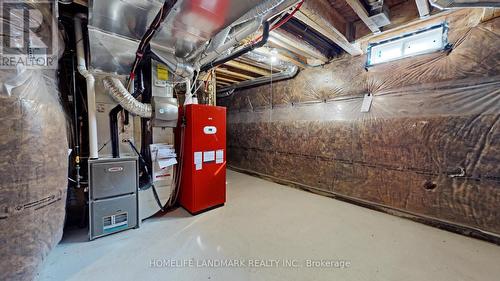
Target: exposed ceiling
[
  {"x": 319, "y": 31},
  {"x": 322, "y": 30}
]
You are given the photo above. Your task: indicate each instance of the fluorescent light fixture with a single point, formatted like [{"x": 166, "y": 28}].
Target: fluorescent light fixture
[{"x": 432, "y": 39}]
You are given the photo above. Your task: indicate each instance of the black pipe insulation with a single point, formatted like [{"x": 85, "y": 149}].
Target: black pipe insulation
[
  {"x": 260, "y": 43},
  {"x": 113, "y": 126}
]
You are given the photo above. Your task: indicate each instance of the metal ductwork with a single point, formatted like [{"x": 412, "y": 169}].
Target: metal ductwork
[
  {"x": 266, "y": 9},
  {"x": 230, "y": 40},
  {"x": 450, "y": 4},
  {"x": 379, "y": 12},
  {"x": 241, "y": 29},
  {"x": 178, "y": 66},
  {"x": 288, "y": 73},
  {"x": 114, "y": 40}
]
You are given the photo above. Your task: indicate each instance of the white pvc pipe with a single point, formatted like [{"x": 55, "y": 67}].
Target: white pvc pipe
[
  {"x": 188, "y": 97},
  {"x": 82, "y": 69}
]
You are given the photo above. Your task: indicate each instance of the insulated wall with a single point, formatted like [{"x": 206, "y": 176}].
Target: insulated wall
[{"x": 429, "y": 146}]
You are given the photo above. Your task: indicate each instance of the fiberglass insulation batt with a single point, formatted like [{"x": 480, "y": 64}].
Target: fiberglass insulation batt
[
  {"x": 429, "y": 146},
  {"x": 33, "y": 166}
]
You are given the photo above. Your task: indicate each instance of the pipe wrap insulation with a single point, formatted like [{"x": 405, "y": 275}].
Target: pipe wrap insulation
[{"x": 120, "y": 94}]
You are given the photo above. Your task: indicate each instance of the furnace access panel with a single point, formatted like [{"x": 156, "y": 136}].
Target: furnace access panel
[{"x": 203, "y": 183}]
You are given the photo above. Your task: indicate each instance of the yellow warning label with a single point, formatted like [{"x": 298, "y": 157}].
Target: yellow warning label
[{"x": 161, "y": 72}]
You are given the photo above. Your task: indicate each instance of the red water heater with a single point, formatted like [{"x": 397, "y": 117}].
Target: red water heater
[{"x": 203, "y": 182}]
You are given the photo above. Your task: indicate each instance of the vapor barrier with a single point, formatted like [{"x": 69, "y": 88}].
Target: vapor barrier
[
  {"x": 34, "y": 152},
  {"x": 429, "y": 144}
]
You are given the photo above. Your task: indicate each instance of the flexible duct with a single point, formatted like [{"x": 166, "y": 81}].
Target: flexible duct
[
  {"x": 288, "y": 73},
  {"x": 82, "y": 69},
  {"x": 122, "y": 96}
]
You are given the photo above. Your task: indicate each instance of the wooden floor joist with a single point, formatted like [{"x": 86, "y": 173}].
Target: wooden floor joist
[
  {"x": 327, "y": 30},
  {"x": 423, "y": 8},
  {"x": 262, "y": 65},
  {"x": 360, "y": 10},
  {"x": 248, "y": 68},
  {"x": 233, "y": 74},
  {"x": 287, "y": 41},
  {"x": 224, "y": 79}
]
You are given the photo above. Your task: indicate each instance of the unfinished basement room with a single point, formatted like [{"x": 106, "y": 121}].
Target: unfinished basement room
[{"x": 250, "y": 140}]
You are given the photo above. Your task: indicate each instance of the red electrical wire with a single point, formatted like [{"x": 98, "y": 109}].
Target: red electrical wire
[
  {"x": 283, "y": 21},
  {"x": 288, "y": 17}
]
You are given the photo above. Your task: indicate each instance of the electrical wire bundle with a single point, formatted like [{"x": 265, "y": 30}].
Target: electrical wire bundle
[
  {"x": 146, "y": 38},
  {"x": 282, "y": 20}
]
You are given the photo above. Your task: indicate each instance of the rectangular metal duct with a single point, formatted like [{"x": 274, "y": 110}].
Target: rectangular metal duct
[{"x": 116, "y": 26}]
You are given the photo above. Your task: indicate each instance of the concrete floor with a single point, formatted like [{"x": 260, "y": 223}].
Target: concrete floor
[{"x": 263, "y": 221}]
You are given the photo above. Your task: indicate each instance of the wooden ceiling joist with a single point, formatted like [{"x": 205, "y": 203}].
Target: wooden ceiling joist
[
  {"x": 223, "y": 83},
  {"x": 320, "y": 16},
  {"x": 281, "y": 55},
  {"x": 423, "y": 8},
  {"x": 257, "y": 64},
  {"x": 233, "y": 74},
  {"x": 248, "y": 68},
  {"x": 290, "y": 42},
  {"x": 224, "y": 79},
  {"x": 360, "y": 10}
]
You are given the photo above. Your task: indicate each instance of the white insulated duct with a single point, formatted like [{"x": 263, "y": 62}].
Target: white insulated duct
[
  {"x": 120, "y": 94},
  {"x": 82, "y": 69}
]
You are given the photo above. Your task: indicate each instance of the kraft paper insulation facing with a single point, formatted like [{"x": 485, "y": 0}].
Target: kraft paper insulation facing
[
  {"x": 33, "y": 167},
  {"x": 430, "y": 144}
]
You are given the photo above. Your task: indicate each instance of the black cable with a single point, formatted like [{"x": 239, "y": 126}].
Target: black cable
[
  {"x": 148, "y": 35},
  {"x": 149, "y": 184},
  {"x": 113, "y": 126}
]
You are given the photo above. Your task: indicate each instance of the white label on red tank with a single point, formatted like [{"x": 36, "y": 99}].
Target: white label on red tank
[
  {"x": 219, "y": 156},
  {"x": 198, "y": 160},
  {"x": 208, "y": 156},
  {"x": 198, "y": 157}
]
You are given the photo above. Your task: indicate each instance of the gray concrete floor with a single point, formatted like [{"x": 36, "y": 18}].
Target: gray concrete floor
[{"x": 264, "y": 221}]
